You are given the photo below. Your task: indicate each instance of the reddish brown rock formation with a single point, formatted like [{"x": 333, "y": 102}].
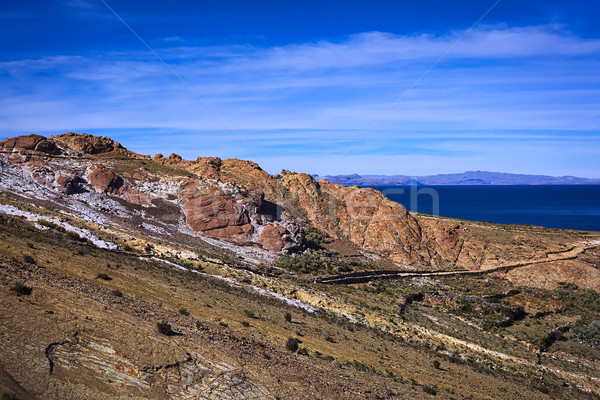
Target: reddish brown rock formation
[
  {"x": 88, "y": 144},
  {"x": 277, "y": 238},
  {"x": 44, "y": 174},
  {"x": 30, "y": 143},
  {"x": 103, "y": 180},
  {"x": 364, "y": 216},
  {"x": 217, "y": 210}
]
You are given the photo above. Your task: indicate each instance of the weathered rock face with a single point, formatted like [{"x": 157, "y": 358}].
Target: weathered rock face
[
  {"x": 88, "y": 144},
  {"x": 30, "y": 143},
  {"x": 58, "y": 180},
  {"x": 190, "y": 378},
  {"x": 234, "y": 213},
  {"x": 236, "y": 200},
  {"x": 364, "y": 216},
  {"x": 279, "y": 238},
  {"x": 103, "y": 180},
  {"x": 218, "y": 210}
]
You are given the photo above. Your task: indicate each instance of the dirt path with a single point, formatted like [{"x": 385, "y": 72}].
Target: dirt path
[{"x": 366, "y": 276}]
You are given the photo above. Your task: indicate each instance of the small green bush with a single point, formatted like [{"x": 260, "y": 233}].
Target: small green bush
[
  {"x": 245, "y": 323},
  {"x": 330, "y": 339},
  {"x": 117, "y": 293},
  {"x": 288, "y": 317},
  {"x": 250, "y": 314},
  {"x": 104, "y": 277},
  {"x": 436, "y": 364},
  {"x": 28, "y": 258}
]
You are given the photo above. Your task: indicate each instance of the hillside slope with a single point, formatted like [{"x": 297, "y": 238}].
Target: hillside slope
[{"x": 100, "y": 244}]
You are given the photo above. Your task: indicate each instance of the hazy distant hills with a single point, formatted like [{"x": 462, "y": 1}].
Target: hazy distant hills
[{"x": 465, "y": 178}]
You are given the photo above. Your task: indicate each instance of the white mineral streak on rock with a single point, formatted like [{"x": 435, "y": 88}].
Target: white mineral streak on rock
[
  {"x": 11, "y": 210},
  {"x": 259, "y": 290}
]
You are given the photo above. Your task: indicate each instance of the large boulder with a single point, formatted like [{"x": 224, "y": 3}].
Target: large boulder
[
  {"x": 219, "y": 210},
  {"x": 103, "y": 180}
]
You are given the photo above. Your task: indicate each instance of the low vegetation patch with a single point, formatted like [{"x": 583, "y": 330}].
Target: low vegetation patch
[
  {"x": 587, "y": 332},
  {"x": 104, "y": 277},
  {"x": 164, "y": 328},
  {"x": 292, "y": 344},
  {"x": 183, "y": 311},
  {"x": 28, "y": 258},
  {"x": 316, "y": 237},
  {"x": 312, "y": 261},
  {"x": 20, "y": 289}
]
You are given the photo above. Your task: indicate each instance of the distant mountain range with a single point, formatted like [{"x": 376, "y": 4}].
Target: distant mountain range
[{"x": 465, "y": 178}]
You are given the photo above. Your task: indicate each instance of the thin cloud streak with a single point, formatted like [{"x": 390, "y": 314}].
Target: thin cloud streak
[{"x": 514, "y": 84}]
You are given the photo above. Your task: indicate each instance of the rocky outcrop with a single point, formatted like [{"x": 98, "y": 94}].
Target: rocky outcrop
[
  {"x": 103, "y": 180},
  {"x": 237, "y": 201},
  {"x": 281, "y": 238},
  {"x": 364, "y": 216},
  {"x": 88, "y": 144},
  {"x": 191, "y": 378},
  {"x": 58, "y": 180},
  {"x": 219, "y": 210},
  {"x": 34, "y": 143}
]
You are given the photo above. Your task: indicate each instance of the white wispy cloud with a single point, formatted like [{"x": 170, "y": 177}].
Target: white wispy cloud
[{"x": 507, "y": 81}]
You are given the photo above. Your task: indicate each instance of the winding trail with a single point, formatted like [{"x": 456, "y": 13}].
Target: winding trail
[{"x": 366, "y": 276}]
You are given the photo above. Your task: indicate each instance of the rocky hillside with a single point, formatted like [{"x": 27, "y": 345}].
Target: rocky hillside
[
  {"x": 236, "y": 201},
  {"x": 273, "y": 286}
]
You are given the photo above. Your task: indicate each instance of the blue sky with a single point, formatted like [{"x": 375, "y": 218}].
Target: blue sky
[{"x": 301, "y": 82}]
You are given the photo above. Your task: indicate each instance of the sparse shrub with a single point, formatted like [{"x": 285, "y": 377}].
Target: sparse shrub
[
  {"x": 20, "y": 289},
  {"x": 311, "y": 261},
  {"x": 74, "y": 236},
  {"x": 436, "y": 364},
  {"x": 430, "y": 390},
  {"x": 303, "y": 351},
  {"x": 292, "y": 344},
  {"x": 315, "y": 237},
  {"x": 552, "y": 336},
  {"x": 117, "y": 293},
  {"x": 28, "y": 258},
  {"x": 127, "y": 248},
  {"x": 8, "y": 396},
  {"x": 587, "y": 332},
  {"x": 223, "y": 324},
  {"x": 245, "y": 323},
  {"x": 198, "y": 325},
  {"x": 51, "y": 225},
  {"x": 183, "y": 311},
  {"x": 329, "y": 339},
  {"x": 104, "y": 277},
  {"x": 164, "y": 328},
  {"x": 359, "y": 366},
  {"x": 409, "y": 299},
  {"x": 288, "y": 317},
  {"x": 250, "y": 314}
]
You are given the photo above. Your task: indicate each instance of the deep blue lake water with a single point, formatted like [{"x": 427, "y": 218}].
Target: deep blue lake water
[{"x": 552, "y": 206}]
